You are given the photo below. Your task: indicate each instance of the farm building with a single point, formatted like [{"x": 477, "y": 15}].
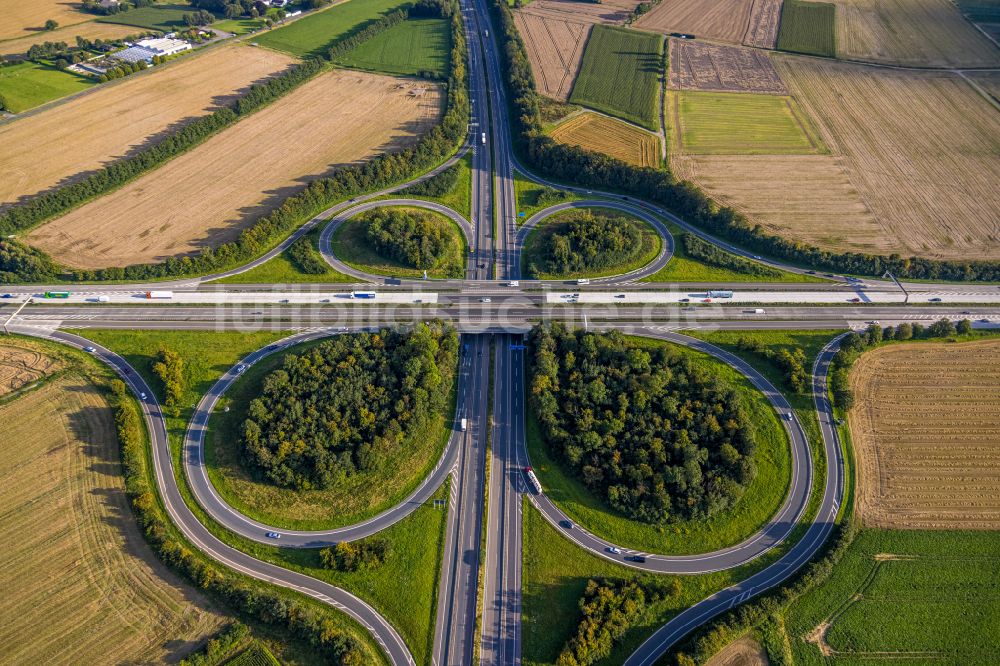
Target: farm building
[{"x": 146, "y": 49}]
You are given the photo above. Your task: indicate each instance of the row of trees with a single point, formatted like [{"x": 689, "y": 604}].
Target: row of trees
[
  {"x": 610, "y": 608},
  {"x": 713, "y": 255},
  {"x": 587, "y": 241},
  {"x": 411, "y": 238},
  {"x": 574, "y": 164},
  {"x": 348, "y": 404},
  {"x": 252, "y": 599},
  {"x": 355, "y": 556},
  {"x": 319, "y": 194},
  {"x": 656, "y": 436},
  {"x": 792, "y": 363},
  {"x": 121, "y": 71},
  {"x": 437, "y": 185},
  {"x": 854, "y": 344},
  {"x": 169, "y": 367}
]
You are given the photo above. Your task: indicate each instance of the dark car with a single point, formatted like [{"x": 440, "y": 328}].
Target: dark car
[
  {"x": 566, "y": 523},
  {"x": 8, "y": 296},
  {"x": 638, "y": 558}
]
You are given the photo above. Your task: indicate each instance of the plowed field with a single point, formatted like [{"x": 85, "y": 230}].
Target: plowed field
[
  {"x": 612, "y": 137},
  {"x": 712, "y": 67},
  {"x": 92, "y": 130},
  {"x": 208, "y": 195},
  {"x": 926, "y": 429},
  {"x": 555, "y": 32}
]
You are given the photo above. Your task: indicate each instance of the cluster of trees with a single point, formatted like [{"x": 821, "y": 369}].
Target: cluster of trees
[
  {"x": 371, "y": 29},
  {"x": 200, "y": 17},
  {"x": 437, "y": 185},
  {"x": 656, "y": 436},
  {"x": 252, "y": 599},
  {"x": 590, "y": 169},
  {"x": 548, "y": 196},
  {"x": 21, "y": 263},
  {"x": 218, "y": 648},
  {"x": 609, "y": 609},
  {"x": 854, "y": 344},
  {"x": 234, "y": 8},
  {"x": 95, "y": 7},
  {"x": 356, "y": 556},
  {"x": 169, "y": 367},
  {"x": 792, "y": 363},
  {"x": 713, "y": 255},
  {"x": 122, "y": 70},
  {"x": 307, "y": 258},
  {"x": 585, "y": 241},
  {"x": 348, "y": 404},
  {"x": 413, "y": 239}
]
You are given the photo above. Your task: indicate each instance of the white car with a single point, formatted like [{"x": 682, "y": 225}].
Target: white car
[
  {"x": 90, "y": 349},
  {"x": 241, "y": 368},
  {"x": 273, "y": 535},
  {"x": 485, "y": 300},
  {"x": 614, "y": 551},
  {"x": 142, "y": 396}
]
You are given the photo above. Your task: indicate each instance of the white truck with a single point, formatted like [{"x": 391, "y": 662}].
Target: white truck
[
  {"x": 159, "y": 294},
  {"x": 536, "y": 486},
  {"x": 756, "y": 311},
  {"x": 583, "y": 281},
  {"x": 465, "y": 425},
  {"x": 484, "y": 138}
]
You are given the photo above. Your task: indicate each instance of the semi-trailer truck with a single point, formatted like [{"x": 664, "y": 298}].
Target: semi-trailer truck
[
  {"x": 362, "y": 294},
  {"x": 159, "y": 294},
  {"x": 720, "y": 294},
  {"x": 533, "y": 480}
]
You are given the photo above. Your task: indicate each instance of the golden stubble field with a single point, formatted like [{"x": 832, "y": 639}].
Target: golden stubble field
[
  {"x": 911, "y": 32},
  {"x": 555, "y": 33},
  {"x": 602, "y": 134},
  {"x": 915, "y": 158},
  {"x": 208, "y": 195},
  {"x": 22, "y": 366},
  {"x": 926, "y": 429},
  {"x": 68, "y": 34},
  {"x": 28, "y": 17},
  {"x": 80, "y": 585},
  {"x": 753, "y": 22},
  {"x": 92, "y": 130},
  {"x": 742, "y": 652}
]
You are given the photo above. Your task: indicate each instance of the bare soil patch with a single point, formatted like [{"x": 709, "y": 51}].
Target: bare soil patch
[
  {"x": 744, "y": 651},
  {"x": 68, "y": 34},
  {"x": 713, "y": 67},
  {"x": 63, "y": 143},
  {"x": 80, "y": 584},
  {"x": 555, "y": 33},
  {"x": 724, "y": 20},
  {"x": 29, "y": 17},
  {"x": 762, "y": 28},
  {"x": 613, "y": 137},
  {"x": 926, "y": 429},
  {"x": 911, "y": 32},
  {"x": 208, "y": 195}
]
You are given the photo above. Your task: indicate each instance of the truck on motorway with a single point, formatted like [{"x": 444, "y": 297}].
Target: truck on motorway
[
  {"x": 533, "y": 480},
  {"x": 465, "y": 425},
  {"x": 484, "y": 138},
  {"x": 362, "y": 294},
  {"x": 755, "y": 311},
  {"x": 159, "y": 294},
  {"x": 583, "y": 281},
  {"x": 57, "y": 294},
  {"x": 720, "y": 294}
]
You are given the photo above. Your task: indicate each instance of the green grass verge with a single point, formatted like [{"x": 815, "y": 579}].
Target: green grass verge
[
  {"x": 530, "y": 197},
  {"x": 313, "y": 35},
  {"x": 27, "y": 85},
  {"x": 808, "y": 27},
  {"x": 407, "y": 49},
  {"x": 458, "y": 198},
  {"x": 742, "y": 124},
  {"x": 620, "y": 75},
  {"x": 928, "y": 595},
  {"x": 350, "y": 245},
  {"x": 166, "y": 17},
  {"x": 763, "y": 497},
  {"x": 533, "y": 246},
  {"x": 281, "y": 269},
  {"x": 357, "y": 498}
]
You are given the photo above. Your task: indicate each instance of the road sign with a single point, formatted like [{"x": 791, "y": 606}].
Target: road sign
[
  {"x": 517, "y": 347},
  {"x": 521, "y": 214}
]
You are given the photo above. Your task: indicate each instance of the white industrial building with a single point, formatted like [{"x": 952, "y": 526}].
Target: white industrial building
[{"x": 146, "y": 49}]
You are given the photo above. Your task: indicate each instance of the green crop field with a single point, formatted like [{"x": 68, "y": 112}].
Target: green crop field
[
  {"x": 620, "y": 75},
  {"x": 27, "y": 85},
  {"x": 913, "y": 596},
  {"x": 313, "y": 35},
  {"x": 711, "y": 123},
  {"x": 409, "y": 48},
  {"x": 808, "y": 27},
  {"x": 156, "y": 17}
]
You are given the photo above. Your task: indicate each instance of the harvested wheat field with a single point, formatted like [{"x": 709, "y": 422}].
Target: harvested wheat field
[
  {"x": 80, "y": 584},
  {"x": 911, "y": 32},
  {"x": 555, "y": 33},
  {"x": 51, "y": 147},
  {"x": 762, "y": 27},
  {"x": 610, "y": 136},
  {"x": 741, "y": 652},
  {"x": 28, "y": 18},
  {"x": 208, "y": 195},
  {"x": 68, "y": 34},
  {"x": 926, "y": 430},
  {"x": 724, "y": 20},
  {"x": 712, "y": 67},
  {"x": 23, "y": 366}
]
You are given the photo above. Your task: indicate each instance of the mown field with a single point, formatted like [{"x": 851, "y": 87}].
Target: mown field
[
  {"x": 620, "y": 75},
  {"x": 313, "y": 35},
  {"x": 80, "y": 584},
  {"x": 74, "y": 138},
  {"x": 601, "y": 134},
  {"x": 30, "y": 84},
  {"x": 911, "y": 32},
  {"x": 724, "y": 20},
  {"x": 926, "y": 597},
  {"x": 926, "y": 429},
  {"x": 165, "y": 17},
  {"x": 21, "y": 19},
  {"x": 808, "y": 27},
  {"x": 410, "y": 48},
  {"x": 363, "y": 115},
  {"x": 709, "y": 123}
]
